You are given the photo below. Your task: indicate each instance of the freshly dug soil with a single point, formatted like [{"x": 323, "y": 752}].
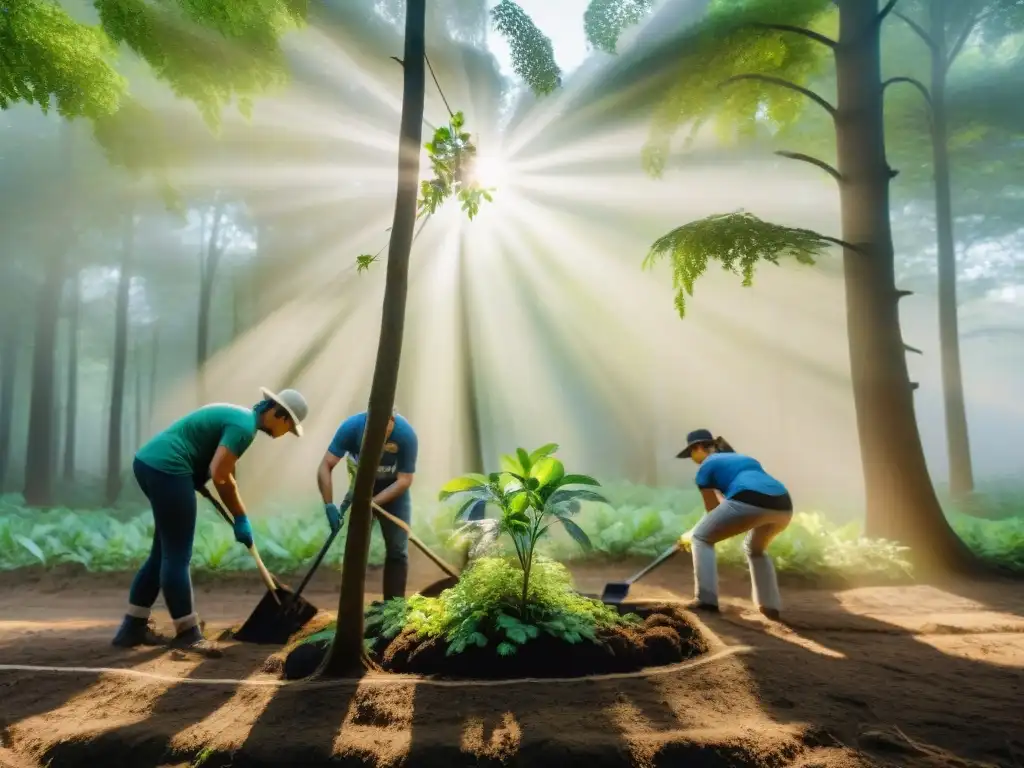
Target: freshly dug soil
[
  {"x": 860, "y": 678},
  {"x": 667, "y": 635}
]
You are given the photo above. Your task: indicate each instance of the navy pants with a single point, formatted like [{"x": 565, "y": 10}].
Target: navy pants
[
  {"x": 173, "y": 499},
  {"x": 396, "y": 547}
]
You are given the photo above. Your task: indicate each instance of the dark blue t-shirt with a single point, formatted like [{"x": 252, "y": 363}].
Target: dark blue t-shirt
[
  {"x": 399, "y": 451},
  {"x": 730, "y": 473}
]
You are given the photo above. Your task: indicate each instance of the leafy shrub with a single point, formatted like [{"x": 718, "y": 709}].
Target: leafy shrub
[
  {"x": 532, "y": 493},
  {"x": 485, "y": 608}
]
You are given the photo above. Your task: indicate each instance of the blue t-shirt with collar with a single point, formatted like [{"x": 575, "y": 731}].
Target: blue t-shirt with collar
[
  {"x": 399, "y": 455},
  {"x": 730, "y": 473}
]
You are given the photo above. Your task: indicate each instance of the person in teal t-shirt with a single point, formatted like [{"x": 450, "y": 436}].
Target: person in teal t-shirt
[
  {"x": 740, "y": 497},
  {"x": 169, "y": 469}
]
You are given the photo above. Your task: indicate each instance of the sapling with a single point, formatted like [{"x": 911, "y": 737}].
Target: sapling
[{"x": 532, "y": 492}]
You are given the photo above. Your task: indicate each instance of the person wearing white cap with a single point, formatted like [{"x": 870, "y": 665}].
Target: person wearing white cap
[{"x": 169, "y": 469}]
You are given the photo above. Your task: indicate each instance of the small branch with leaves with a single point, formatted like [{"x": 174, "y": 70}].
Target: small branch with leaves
[{"x": 452, "y": 159}]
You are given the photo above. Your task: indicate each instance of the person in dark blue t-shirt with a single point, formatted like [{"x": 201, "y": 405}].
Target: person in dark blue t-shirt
[
  {"x": 391, "y": 489},
  {"x": 740, "y": 497}
]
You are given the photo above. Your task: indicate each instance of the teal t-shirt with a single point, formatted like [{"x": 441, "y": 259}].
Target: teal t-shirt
[
  {"x": 731, "y": 473},
  {"x": 187, "y": 446}
]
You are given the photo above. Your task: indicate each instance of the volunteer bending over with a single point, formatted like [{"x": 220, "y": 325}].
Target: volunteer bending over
[
  {"x": 740, "y": 497},
  {"x": 391, "y": 489},
  {"x": 169, "y": 469}
]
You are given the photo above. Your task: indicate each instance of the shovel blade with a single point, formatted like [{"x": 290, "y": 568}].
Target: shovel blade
[
  {"x": 436, "y": 588},
  {"x": 615, "y": 592},
  {"x": 273, "y": 624}
]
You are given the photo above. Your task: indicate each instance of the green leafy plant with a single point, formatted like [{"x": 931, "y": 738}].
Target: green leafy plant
[
  {"x": 532, "y": 492},
  {"x": 452, "y": 158},
  {"x": 484, "y": 610}
]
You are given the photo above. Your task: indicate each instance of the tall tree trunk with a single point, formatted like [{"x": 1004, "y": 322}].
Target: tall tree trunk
[
  {"x": 901, "y": 502},
  {"x": 116, "y": 428},
  {"x": 476, "y": 451},
  {"x": 137, "y": 363},
  {"x": 958, "y": 446},
  {"x": 40, "y": 452},
  {"x": 71, "y": 408},
  {"x": 346, "y": 652},
  {"x": 154, "y": 357},
  {"x": 207, "y": 272},
  {"x": 8, "y": 379},
  {"x": 39, "y": 458}
]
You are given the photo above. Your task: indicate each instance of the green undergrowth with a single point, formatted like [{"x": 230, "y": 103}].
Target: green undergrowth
[
  {"x": 638, "y": 522},
  {"x": 483, "y": 610}
]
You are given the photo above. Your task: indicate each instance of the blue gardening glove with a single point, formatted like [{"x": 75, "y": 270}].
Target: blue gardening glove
[
  {"x": 336, "y": 514},
  {"x": 243, "y": 531},
  {"x": 333, "y": 516}
]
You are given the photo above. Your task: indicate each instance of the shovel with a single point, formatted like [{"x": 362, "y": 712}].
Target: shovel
[
  {"x": 280, "y": 613},
  {"x": 438, "y": 586},
  {"x": 616, "y": 591}
]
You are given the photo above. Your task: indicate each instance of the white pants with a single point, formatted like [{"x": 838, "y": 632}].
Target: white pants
[{"x": 729, "y": 519}]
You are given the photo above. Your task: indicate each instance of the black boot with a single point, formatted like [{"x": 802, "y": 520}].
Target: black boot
[
  {"x": 395, "y": 576},
  {"x": 192, "y": 640},
  {"x": 697, "y": 605},
  {"x": 135, "y": 631}
]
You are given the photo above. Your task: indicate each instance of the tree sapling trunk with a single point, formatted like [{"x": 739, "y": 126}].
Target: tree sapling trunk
[
  {"x": 345, "y": 655},
  {"x": 71, "y": 406},
  {"x": 115, "y": 428}
]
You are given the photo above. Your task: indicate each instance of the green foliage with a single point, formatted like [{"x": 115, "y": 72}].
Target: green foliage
[
  {"x": 605, "y": 20},
  {"x": 716, "y": 61},
  {"x": 532, "y": 492},
  {"x": 49, "y": 57},
  {"x": 485, "y": 609},
  {"x": 738, "y": 240},
  {"x": 638, "y": 521},
  {"x": 452, "y": 156},
  {"x": 533, "y": 58}
]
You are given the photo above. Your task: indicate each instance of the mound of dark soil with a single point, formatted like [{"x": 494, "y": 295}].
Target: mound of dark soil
[{"x": 667, "y": 635}]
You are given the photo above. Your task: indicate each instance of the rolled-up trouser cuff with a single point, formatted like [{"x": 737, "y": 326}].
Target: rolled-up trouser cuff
[
  {"x": 186, "y": 623},
  {"x": 138, "y": 611}
]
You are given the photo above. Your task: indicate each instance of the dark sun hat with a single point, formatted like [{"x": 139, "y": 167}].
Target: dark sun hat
[{"x": 696, "y": 437}]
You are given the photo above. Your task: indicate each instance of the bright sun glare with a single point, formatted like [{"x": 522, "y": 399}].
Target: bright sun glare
[{"x": 490, "y": 170}]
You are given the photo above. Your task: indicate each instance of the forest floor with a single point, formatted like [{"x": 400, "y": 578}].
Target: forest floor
[{"x": 919, "y": 676}]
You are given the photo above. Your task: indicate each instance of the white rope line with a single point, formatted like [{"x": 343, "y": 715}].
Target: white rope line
[{"x": 384, "y": 680}]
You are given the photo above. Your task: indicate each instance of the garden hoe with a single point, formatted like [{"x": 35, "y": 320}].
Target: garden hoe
[
  {"x": 280, "y": 613},
  {"x": 615, "y": 592}
]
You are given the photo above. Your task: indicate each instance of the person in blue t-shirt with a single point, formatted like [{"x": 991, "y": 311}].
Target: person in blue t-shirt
[
  {"x": 740, "y": 497},
  {"x": 391, "y": 489}
]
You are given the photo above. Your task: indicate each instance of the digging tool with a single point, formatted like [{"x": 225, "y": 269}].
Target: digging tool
[
  {"x": 438, "y": 586},
  {"x": 281, "y": 612},
  {"x": 616, "y": 591}
]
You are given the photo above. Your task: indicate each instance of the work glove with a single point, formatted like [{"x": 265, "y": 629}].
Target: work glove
[
  {"x": 336, "y": 514},
  {"x": 686, "y": 540},
  {"x": 243, "y": 531}
]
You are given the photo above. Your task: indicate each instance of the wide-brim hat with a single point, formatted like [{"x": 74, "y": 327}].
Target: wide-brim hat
[
  {"x": 694, "y": 438},
  {"x": 293, "y": 403}
]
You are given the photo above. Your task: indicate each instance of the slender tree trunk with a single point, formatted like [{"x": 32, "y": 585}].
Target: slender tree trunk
[
  {"x": 8, "y": 379},
  {"x": 137, "y": 363},
  {"x": 207, "y": 273},
  {"x": 154, "y": 357},
  {"x": 71, "y": 408},
  {"x": 958, "y": 446},
  {"x": 58, "y": 412},
  {"x": 346, "y": 653},
  {"x": 39, "y": 461},
  {"x": 476, "y": 451},
  {"x": 116, "y": 424},
  {"x": 901, "y": 502}
]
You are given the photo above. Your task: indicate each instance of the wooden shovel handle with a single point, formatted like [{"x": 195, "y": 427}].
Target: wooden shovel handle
[{"x": 450, "y": 570}]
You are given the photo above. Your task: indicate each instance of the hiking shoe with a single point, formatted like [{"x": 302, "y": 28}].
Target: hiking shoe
[
  {"x": 769, "y": 613},
  {"x": 192, "y": 641},
  {"x": 134, "y": 632},
  {"x": 697, "y": 605}
]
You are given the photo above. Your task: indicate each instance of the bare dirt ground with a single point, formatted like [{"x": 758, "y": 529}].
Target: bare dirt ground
[{"x": 918, "y": 676}]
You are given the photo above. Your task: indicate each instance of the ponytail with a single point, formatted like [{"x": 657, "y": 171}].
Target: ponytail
[{"x": 721, "y": 446}]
